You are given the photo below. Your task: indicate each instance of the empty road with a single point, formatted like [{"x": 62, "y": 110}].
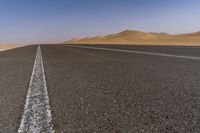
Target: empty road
[{"x": 100, "y": 88}]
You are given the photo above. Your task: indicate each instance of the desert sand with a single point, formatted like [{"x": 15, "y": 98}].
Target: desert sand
[
  {"x": 139, "y": 37},
  {"x": 4, "y": 47}
]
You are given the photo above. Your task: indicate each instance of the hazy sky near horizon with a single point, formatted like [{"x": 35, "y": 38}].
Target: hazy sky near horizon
[{"x": 44, "y": 21}]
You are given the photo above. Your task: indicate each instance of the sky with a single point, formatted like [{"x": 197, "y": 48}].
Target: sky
[{"x": 52, "y": 21}]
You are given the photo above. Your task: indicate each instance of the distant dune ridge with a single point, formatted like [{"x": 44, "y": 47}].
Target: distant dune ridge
[
  {"x": 139, "y": 37},
  {"x": 8, "y": 46}
]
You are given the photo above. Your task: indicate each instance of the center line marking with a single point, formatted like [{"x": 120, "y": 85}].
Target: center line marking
[
  {"x": 137, "y": 52},
  {"x": 37, "y": 116}
]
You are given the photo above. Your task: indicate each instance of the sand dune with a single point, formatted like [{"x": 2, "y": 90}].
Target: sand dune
[
  {"x": 139, "y": 37},
  {"x": 8, "y": 46},
  {"x": 189, "y": 34}
]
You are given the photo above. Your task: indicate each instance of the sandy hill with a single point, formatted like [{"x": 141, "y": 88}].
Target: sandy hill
[
  {"x": 189, "y": 34},
  {"x": 8, "y": 46},
  {"x": 139, "y": 37}
]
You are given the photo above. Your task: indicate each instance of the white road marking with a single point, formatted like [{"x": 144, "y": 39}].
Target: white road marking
[
  {"x": 37, "y": 116},
  {"x": 137, "y": 52}
]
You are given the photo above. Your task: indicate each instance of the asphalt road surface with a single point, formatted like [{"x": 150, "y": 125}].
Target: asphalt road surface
[
  {"x": 15, "y": 72},
  {"x": 111, "y": 89}
]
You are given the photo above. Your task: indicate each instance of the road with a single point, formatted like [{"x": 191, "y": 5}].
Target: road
[
  {"x": 108, "y": 89},
  {"x": 15, "y": 71}
]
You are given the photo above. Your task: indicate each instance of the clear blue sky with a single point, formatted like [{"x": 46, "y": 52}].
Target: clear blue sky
[{"x": 43, "y": 21}]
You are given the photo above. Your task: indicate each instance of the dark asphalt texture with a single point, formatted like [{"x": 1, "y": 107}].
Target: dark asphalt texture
[
  {"x": 115, "y": 92},
  {"x": 106, "y": 91},
  {"x": 15, "y": 72}
]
